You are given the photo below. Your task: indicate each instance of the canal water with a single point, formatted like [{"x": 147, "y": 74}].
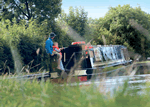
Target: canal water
[{"x": 109, "y": 81}]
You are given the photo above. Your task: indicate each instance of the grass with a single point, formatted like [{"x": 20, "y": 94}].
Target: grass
[
  {"x": 143, "y": 62},
  {"x": 111, "y": 68},
  {"x": 15, "y": 93},
  {"x": 23, "y": 93}
]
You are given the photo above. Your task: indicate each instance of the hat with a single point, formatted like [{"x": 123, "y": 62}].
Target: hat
[{"x": 52, "y": 35}]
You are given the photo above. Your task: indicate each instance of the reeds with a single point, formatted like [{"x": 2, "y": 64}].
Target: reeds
[{"x": 45, "y": 94}]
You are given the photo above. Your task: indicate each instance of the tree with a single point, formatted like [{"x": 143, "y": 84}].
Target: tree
[
  {"x": 20, "y": 43},
  {"x": 27, "y": 9},
  {"x": 90, "y": 29},
  {"x": 77, "y": 20},
  {"x": 120, "y": 22}
]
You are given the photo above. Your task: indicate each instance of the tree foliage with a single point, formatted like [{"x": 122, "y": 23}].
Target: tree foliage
[
  {"x": 77, "y": 20},
  {"x": 27, "y": 9},
  {"x": 122, "y": 25},
  {"x": 116, "y": 26},
  {"x": 25, "y": 38}
]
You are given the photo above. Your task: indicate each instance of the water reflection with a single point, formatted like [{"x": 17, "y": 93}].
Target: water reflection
[{"x": 108, "y": 83}]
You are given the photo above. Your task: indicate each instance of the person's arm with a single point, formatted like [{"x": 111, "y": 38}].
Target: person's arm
[
  {"x": 56, "y": 50},
  {"x": 61, "y": 49}
]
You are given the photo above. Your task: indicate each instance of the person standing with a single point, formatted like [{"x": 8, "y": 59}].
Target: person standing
[
  {"x": 49, "y": 48},
  {"x": 49, "y": 44}
]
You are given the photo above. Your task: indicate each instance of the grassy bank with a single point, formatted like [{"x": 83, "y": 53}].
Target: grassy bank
[
  {"x": 14, "y": 93},
  {"x": 111, "y": 68}
]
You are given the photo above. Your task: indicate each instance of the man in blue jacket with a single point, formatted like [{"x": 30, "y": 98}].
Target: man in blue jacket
[
  {"x": 49, "y": 48},
  {"x": 49, "y": 44}
]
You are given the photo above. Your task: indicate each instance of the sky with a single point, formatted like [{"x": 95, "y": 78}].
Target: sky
[{"x": 98, "y": 8}]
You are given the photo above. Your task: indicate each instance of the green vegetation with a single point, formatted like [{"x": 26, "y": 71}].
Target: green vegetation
[
  {"x": 25, "y": 25},
  {"x": 21, "y": 43},
  {"x": 76, "y": 19},
  {"x": 15, "y": 93},
  {"x": 111, "y": 68},
  {"x": 125, "y": 25},
  {"x": 143, "y": 62},
  {"x": 39, "y": 10}
]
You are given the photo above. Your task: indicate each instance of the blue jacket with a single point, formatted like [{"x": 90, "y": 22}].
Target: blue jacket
[{"x": 49, "y": 45}]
